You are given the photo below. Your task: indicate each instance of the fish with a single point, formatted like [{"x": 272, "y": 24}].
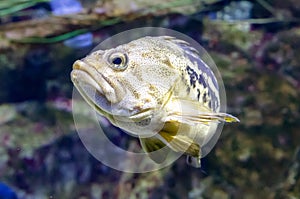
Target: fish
[{"x": 158, "y": 89}]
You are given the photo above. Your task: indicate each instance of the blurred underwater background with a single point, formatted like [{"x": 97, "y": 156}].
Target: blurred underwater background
[{"x": 256, "y": 46}]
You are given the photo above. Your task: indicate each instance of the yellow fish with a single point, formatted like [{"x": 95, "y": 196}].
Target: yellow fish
[{"x": 155, "y": 88}]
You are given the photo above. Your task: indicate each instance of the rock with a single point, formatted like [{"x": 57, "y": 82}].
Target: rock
[{"x": 7, "y": 113}]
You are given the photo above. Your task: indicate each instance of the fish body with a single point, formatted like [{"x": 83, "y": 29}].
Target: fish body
[{"x": 155, "y": 88}]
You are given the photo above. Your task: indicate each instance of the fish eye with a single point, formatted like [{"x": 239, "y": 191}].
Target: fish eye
[{"x": 118, "y": 61}]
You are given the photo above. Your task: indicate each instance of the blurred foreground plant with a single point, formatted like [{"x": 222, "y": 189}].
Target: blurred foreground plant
[{"x": 13, "y": 6}]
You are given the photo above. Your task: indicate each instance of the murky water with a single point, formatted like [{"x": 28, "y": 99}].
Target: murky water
[{"x": 41, "y": 155}]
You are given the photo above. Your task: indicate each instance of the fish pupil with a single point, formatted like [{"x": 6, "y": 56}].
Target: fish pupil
[{"x": 117, "y": 61}]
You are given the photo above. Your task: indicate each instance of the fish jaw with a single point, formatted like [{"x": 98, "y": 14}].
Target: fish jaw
[
  {"x": 97, "y": 90},
  {"x": 101, "y": 83}
]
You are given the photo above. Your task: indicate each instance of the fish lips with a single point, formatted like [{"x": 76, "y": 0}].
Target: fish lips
[
  {"x": 102, "y": 95},
  {"x": 86, "y": 78}
]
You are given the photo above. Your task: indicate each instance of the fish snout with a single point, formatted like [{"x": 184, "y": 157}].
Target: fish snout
[
  {"x": 111, "y": 88},
  {"x": 78, "y": 64}
]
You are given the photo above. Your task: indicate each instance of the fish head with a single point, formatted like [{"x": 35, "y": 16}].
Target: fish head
[{"x": 133, "y": 80}]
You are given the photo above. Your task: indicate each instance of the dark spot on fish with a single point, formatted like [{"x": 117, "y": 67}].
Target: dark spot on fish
[
  {"x": 182, "y": 76},
  {"x": 202, "y": 81},
  {"x": 136, "y": 94},
  {"x": 168, "y": 63},
  {"x": 204, "y": 97},
  {"x": 195, "y": 58},
  {"x": 193, "y": 76},
  {"x": 145, "y": 54},
  {"x": 188, "y": 90},
  {"x": 189, "y": 70},
  {"x": 152, "y": 87},
  {"x": 214, "y": 99},
  {"x": 144, "y": 122},
  {"x": 198, "y": 95}
]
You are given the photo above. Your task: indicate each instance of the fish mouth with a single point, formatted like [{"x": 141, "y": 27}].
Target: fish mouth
[
  {"x": 104, "y": 95},
  {"x": 93, "y": 86}
]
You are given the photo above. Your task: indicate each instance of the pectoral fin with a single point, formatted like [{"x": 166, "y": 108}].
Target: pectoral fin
[
  {"x": 154, "y": 144},
  {"x": 181, "y": 143},
  {"x": 192, "y": 113},
  {"x": 169, "y": 137},
  {"x": 178, "y": 142}
]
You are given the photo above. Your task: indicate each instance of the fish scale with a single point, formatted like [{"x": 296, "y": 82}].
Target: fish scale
[{"x": 207, "y": 91}]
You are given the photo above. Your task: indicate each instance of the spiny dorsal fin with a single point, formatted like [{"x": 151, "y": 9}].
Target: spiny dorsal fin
[{"x": 183, "y": 44}]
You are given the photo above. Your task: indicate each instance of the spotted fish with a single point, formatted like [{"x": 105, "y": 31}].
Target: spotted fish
[{"x": 157, "y": 89}]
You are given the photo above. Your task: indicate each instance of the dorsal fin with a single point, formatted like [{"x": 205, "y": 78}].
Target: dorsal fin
[
  {"x": 199, "y": 69},
  {"x": 183, "y": 44}
]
